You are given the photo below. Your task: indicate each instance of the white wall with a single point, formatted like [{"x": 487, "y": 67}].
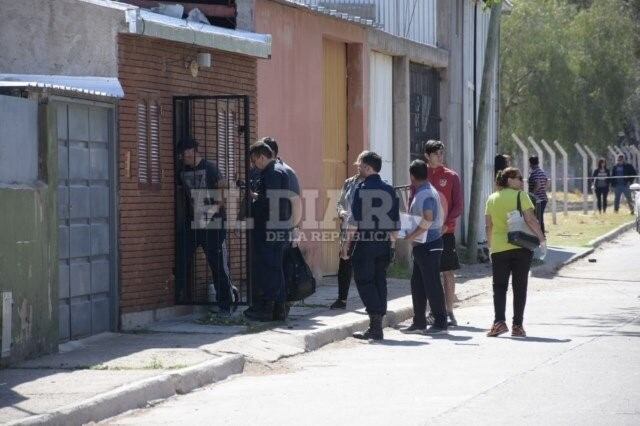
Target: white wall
[{"x": 381, "y": 110}]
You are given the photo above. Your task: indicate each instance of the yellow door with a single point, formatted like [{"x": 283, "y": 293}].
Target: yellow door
[{"x": 334, "y": 159}]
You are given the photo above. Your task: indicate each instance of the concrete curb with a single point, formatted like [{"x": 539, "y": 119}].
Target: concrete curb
[
  {"x": 139, "y": 393},
  {"x": 319, "y": 338},
  {"x": 595, "y": 243}
]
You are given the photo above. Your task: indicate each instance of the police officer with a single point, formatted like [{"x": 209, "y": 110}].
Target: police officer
[
  {"x": 271, "y": 212},
  {"x": 371, "y": 246},
  {"x": 206, "y": 214}
]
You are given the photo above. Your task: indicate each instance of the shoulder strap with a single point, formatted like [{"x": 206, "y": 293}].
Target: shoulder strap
[{"x": 518, "y": 204}]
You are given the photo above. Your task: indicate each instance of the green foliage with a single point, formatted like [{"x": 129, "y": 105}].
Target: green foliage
[{"x": 568, "y": 71}]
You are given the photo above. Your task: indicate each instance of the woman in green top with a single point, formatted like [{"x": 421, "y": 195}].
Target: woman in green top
[{"x": 508, "y": 259}]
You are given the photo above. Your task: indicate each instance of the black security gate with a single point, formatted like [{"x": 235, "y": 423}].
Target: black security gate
[
  {"x": 425, "y": 107},
  {"x": 220, "y": 126}
]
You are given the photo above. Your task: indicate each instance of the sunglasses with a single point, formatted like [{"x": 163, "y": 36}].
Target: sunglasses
[{"x": 516, "y": 177}]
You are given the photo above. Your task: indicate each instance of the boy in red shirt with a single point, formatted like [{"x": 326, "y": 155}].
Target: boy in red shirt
[{"x": 447, "y": 182}]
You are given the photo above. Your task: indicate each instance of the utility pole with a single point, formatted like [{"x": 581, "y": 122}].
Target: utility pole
[{"x": 480, "y": 132}]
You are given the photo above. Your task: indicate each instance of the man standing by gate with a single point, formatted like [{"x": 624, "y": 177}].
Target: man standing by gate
[
  {"x": 376, "y": 210},
  {"x": 447, "y": 182},
  {"x": 271, "y": 212},
  {"x": 202, "y": 180}
]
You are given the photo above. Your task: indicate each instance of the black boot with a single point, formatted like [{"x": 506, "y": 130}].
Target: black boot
[
  {"x": 374, "y": 332},
  {"x": 280, "y": 311},
  {"x": 263, "y": 312}
]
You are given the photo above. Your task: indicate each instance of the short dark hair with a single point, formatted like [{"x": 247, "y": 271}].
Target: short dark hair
[
  {"x": 418, "y": 169},
  {"x": 272, "y": 143},
  {"x": 372, "y": 160},
  {"x": 432, "y": 146},
  {"x": 534, "y": 160},
  {"x": 260, "y": 148},
  {"x": 185, "y": 144}
]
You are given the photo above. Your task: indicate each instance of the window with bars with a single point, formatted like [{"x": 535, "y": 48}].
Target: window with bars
[{"x": 149, "y": 170}]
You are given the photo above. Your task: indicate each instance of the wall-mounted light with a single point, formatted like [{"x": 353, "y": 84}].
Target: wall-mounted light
[{"x": 193, "y": 64}]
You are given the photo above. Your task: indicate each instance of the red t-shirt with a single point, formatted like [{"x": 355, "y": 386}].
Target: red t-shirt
[{"x": 447, "y": 182}]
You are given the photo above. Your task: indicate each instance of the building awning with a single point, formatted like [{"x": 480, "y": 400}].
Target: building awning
[
  {"x": 96, "y": 86},
  {"x": 152, "y": 24}
]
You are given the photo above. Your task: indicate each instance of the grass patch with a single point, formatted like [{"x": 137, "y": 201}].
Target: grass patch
[
  {"x": 577, "y": 229},
  {"x": 399, "y": 270},
  {"x": 214, "y": 319}
]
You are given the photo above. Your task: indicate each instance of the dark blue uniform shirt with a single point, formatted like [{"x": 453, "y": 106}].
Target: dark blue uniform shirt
[
  {"x": 273, "y": 178},
  {"x": 376, "y": 209}
]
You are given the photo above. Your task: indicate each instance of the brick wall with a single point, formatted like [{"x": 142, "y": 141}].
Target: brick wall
[{"x": 147, "y": 229}]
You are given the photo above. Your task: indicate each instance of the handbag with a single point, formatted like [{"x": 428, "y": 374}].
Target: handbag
[
  {"x": 299, "y": 280},
  {"x": 519, "y": 234}
]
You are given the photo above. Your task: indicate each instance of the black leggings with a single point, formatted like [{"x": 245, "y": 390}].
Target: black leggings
[
  {"x": 515, "y": 263},
  {"x": 601, "y": 195}
]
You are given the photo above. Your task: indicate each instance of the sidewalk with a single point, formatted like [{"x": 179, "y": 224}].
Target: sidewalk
[{"x": 108, "y": 374}]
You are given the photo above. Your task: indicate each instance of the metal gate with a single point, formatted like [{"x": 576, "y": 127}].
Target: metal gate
[
  {"x": 425, "y": 107},
  {"x": 85, "y": 228},
  {"x": 220, "y": 125}
]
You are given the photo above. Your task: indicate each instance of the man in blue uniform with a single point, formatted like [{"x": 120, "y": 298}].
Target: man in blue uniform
[
  {"x": 371, "y": 246},
  {"x": 271, "y": 211}
]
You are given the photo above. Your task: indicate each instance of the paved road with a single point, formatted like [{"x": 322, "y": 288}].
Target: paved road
[{"x": 580, "y": 365}]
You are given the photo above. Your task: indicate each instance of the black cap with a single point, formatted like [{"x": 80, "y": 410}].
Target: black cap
[{"x": 186, "y": 143}]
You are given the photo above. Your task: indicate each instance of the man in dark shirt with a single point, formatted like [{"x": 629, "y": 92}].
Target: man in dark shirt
[
  {"x": 271, "y": 212},
  {"x": 377, "y": 215},
  {"x": 621, "y": 184},
  {"x": 206, "y": 214}
]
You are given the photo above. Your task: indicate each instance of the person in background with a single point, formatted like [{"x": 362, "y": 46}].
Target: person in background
[
  {"x": 538, "y": 186},
  {"x": 425, "y": 278},
  {"x": 447, "y": 183},
  {"x": 502, "y": 161},
  {"x": 601, "y": 184},
  {"x": 343, "y": 208},
  {"x": 507, "y": 259},
  {"x": 621, "y": 183},
  {"x": 376, "y": 211}
]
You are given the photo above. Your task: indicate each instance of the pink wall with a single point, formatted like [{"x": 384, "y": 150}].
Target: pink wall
[{"x": 290, "y": 90}]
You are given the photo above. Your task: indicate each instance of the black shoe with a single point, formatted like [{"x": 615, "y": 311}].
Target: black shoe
[
  {"x": 413, "y": 329},
  {"x": 374, "y": 332},
  {"x": 262, "y": 313},
  {"x": 339, "y": 304},
  {"x": 280, "y": 311},
  {"x": 434, "y": 329},
  {"x": 453, "y": 322}
]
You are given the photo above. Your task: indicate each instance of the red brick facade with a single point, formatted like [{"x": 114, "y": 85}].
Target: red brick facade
[{"x": 154, "y": 67}]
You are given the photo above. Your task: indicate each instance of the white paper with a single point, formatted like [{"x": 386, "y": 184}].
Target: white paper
[{"x": 408, "y": 223}]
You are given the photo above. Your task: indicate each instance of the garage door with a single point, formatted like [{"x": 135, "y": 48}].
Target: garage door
[{"x": 85, "y": 144}]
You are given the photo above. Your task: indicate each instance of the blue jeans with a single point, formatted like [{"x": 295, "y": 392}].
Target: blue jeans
[
  {"x": 619, "y": 190},
  {"x": 370, "y": 261}
]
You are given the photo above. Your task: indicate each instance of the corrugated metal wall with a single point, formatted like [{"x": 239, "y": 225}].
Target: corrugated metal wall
[
  {"x": 381, "y": 111},
  {"x": 412, "y": 19},
  {"x": 482, "y": 26}
]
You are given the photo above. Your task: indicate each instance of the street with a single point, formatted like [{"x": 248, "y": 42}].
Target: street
[{"x": 579, "y": 365}]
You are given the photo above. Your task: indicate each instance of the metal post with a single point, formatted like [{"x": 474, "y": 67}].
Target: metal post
[
  {"x": 636, "y": 152},
  {"x": 585, "y": 167},
  {"x": 554, "y": 202},
  {"x": 565, "y": 175},
  {"x": 7, "y": 309},
  {"x": 594, "y": 166},
  {"x": 525, "y": 155},
  {"x": 538, "y": 150}
]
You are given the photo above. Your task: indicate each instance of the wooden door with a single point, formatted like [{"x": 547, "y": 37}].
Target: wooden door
[{"x": 334, "y": 158}]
